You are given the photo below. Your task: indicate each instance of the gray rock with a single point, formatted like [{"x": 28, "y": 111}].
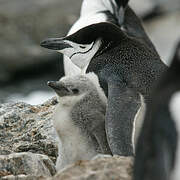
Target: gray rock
[
  {"x": 164, "y": 32},
  {"x": 28, "y": 148},
  {"x": 25, "y": 165},
  {"x": 105, "y": 168},
  {"x": 22, "y": 177},
  {"x": 27, "y": 128},
  {"x": 24, "y": 24},
  {"x": 145, "y": 7},
  {"x": 142, "y": 7}
]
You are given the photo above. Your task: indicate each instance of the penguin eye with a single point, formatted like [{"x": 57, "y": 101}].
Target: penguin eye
[
  {"x": 83, "y": 47},
  {"x": 75, "y": 91}
]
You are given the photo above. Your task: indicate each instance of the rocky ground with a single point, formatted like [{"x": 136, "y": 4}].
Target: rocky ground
[
  {"x": 102, "y": 168},
  {"x": 28, "y": 148}
]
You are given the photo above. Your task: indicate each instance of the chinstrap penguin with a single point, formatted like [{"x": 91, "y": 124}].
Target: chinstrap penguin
[
  {"x": 158, "y": 148},
  {"x": 79, "y": 118},
  {"x": 93, "y": 12},
  {"x": 127, "y": 67},
  {"x": 126, "y": 63}
]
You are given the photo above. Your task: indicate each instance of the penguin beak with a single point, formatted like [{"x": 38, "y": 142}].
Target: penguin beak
[
  {"x": 55, "y": 44},
  {"x": 59, "y": 88},
  {"x": 121, "y": 15}
]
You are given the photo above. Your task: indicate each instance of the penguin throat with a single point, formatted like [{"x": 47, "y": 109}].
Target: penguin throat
[
  {"x": 82, "y": 52},
  {"x": 82, "y": 59}
]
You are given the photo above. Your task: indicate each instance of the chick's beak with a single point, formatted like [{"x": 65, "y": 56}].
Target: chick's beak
[
  {"x": 53, "y": 84},
  {"x": 59, "y": 88},
  {"x": 55, "y": 44}
]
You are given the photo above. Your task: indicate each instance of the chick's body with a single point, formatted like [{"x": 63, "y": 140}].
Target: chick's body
[{"x": 79, "y": 120}]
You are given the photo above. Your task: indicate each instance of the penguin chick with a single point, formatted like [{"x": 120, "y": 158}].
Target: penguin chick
[
  {"x": 158, "y": 148},
  {"x": 79, "y": 118}
]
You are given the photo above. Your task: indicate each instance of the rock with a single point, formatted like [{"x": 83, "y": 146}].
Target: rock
[
  {"x": 22, "y": 177},
  {"x": 151, "y": 8},
  {"x": 107, "y": 168},
  {"x": 24, "y": 165},
  {"x": 142, "y": 7},
  {"x": 28, "y": 148},
  {"x": 164, "y": 32},
  {"x": 24, "y": 24},
  {"x": 27, "y": 128}
]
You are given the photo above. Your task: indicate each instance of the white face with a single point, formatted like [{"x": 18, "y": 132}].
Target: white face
[{"x": 81, "y": 54}]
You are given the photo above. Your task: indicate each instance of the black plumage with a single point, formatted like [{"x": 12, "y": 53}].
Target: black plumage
[{"x": 129, "y": 64}]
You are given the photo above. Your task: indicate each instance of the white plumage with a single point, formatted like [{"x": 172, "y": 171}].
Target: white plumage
[{"x": 79, "y": 119}]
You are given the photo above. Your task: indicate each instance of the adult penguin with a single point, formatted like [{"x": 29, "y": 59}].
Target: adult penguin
[
  {"x": 127, "y": 65},
  {"x": 127, "y": 68},
  {"x": 158, "y": 147}
]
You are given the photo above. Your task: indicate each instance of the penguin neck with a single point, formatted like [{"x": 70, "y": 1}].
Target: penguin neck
[
  {"x": 104, "y": 47},
  {"x": 69, "y": 101}
]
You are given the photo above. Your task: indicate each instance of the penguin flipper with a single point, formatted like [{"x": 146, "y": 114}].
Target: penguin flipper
[
  {"x": 123, "y": 104},
  {"x": 99, "y": 133}
]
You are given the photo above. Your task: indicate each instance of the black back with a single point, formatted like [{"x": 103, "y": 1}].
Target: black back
[
  {"x": 155, "y": 152},
  {"x": 131, "y": 51},
  {"x": 130, "y": 58}
]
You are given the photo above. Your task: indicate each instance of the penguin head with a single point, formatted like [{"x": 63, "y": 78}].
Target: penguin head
[
  {"x": 176, "y": 57},
  {"x": 71, "y": 86},
  {"x": 79, "y": 54},
  {"x": 86, "y": 43}
]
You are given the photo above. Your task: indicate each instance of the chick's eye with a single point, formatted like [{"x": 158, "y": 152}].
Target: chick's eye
[{"x": 75, "y": 91}]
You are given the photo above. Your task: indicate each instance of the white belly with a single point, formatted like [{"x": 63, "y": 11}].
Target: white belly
[
  {"x": 73, "y": 145},
  {"x": 70, "y": 69},
  {"x": 175, "y": 113},
  {"x": 138, "y": 121}
]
